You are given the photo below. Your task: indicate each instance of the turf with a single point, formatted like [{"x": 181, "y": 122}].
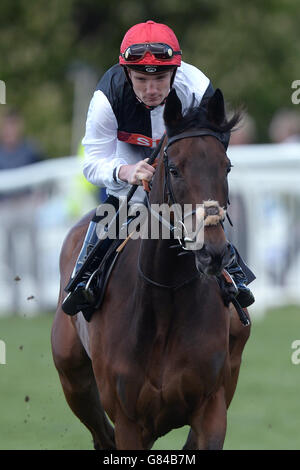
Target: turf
[{"x": 263, "y": 415}]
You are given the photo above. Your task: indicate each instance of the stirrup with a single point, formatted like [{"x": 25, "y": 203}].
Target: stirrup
[
  {"x": 74, "y": 302},
  {"x": 82, "y": 297},
  {"x": 245, "y": 297},
  {"x": 233, "y": 293},
  {"x": 241, "y": 292}
]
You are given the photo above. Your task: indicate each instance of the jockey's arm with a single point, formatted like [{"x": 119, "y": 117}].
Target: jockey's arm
[
  {"x": 100, "y": 145},
  {"x": 101, "y": 166}
]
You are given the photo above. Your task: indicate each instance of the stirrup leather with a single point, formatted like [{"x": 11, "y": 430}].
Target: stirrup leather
[{"x": 230, "y": 282}]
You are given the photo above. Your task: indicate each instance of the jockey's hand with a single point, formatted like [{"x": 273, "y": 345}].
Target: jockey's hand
[{"x": 134, "y": 174}]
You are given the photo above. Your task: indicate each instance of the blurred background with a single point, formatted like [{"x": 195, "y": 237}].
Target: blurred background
[{"x": 52, "y": 55}]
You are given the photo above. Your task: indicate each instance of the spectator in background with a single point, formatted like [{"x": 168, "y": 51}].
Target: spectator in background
[
  {"x": 285, "y": 126},
  {"x": 15, "y": 150},
  {"x": 17, "y": 212}
]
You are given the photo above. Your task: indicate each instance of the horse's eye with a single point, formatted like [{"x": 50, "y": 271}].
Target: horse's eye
[
  {"x": 229, "y": 168},
  {"x": 173, "y": 170}
]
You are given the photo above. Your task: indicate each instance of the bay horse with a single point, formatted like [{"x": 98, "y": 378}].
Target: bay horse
[{"x": 164, "y": 350}]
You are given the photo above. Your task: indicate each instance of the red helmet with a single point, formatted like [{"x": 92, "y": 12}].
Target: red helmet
[{"x": 150, "y": 47}]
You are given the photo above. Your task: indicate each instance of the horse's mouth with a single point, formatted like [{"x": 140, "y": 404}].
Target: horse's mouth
[
  {"x": 212, "y": 263},
  {"x": 210, "y": 269}
]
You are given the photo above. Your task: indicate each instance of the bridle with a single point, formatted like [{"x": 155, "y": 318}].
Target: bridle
[{"x": 168, "y": 187}]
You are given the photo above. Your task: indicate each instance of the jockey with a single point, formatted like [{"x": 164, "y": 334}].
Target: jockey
[{"x": 125, "y": 122}]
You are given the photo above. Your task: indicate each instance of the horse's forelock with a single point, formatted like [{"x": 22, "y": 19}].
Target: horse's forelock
[{"x": 196, "y": 118}]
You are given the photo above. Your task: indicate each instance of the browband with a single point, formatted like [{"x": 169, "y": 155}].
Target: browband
[{"x": 221, "y": 136}]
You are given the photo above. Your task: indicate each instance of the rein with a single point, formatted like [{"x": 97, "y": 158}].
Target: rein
[
  {"x": 168, "y": 187},
  {"x": 166, "y": 286}
]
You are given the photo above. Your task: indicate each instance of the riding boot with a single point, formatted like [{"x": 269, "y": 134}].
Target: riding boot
[
  {"x": 243, "y": 294},
  {"x": 81, "y": 296}
]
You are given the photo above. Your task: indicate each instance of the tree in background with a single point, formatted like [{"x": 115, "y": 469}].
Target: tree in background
[{"x": 248, "y": 49}]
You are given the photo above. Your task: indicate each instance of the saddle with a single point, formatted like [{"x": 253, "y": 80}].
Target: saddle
[{"x": 101, "y": 275}]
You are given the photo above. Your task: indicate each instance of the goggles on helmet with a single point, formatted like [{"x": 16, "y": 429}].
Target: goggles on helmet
[{"x": 161, "y": 51}]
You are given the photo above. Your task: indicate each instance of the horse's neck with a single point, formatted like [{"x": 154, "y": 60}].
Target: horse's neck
[
  {"x": 162, "y": 273},
  {"x": 164, "y": 263}
]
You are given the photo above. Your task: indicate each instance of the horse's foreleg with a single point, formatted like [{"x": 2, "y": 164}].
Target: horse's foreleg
[
  {"x": 128, "y": 434},
  {"x": 191, "y": 442},
  {"x": 78, "y": 382},
  {"x": 238, "y": 336},
  {"x": 209, "y": 424}
]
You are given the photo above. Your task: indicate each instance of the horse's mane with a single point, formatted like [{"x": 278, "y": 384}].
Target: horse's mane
[{"x": 196, "y": 117}]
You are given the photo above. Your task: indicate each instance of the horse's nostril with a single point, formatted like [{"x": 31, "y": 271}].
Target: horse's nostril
[
  {"x": 205, "y": 252},
  {"x": 203, "y": 256}
]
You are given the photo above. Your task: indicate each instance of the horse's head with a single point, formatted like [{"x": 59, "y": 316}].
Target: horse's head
[{"x": 194, "y": 172}]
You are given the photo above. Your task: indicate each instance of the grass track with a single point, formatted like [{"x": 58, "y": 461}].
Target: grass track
[{"x": 264, "y": 413}]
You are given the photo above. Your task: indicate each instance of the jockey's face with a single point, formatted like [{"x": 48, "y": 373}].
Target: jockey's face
[{"x": 152, "y": 89}]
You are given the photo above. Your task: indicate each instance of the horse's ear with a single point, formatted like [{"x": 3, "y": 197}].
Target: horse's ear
[
  {"x": 216, "y": 108},
  {"x": 173, "y": 110}
]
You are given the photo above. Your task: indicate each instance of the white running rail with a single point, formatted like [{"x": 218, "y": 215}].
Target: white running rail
[{"x": 265, "y": 210}]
